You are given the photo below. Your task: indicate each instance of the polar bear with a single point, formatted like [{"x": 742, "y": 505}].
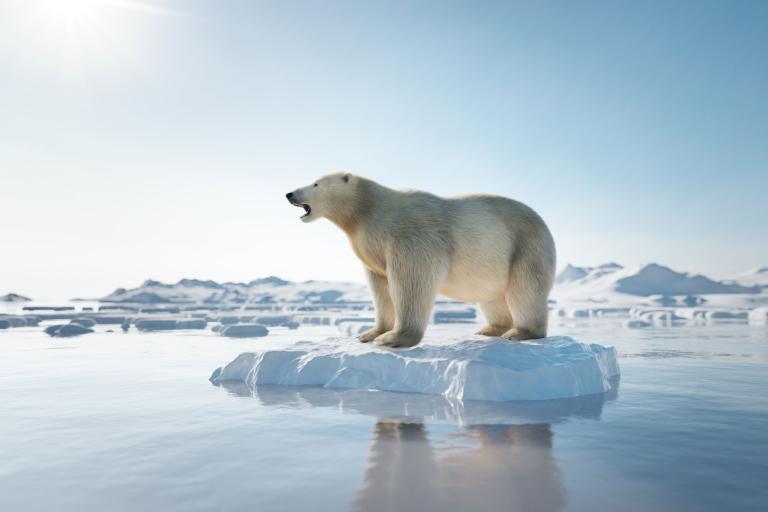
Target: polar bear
[{"x": 476, "y": 248}]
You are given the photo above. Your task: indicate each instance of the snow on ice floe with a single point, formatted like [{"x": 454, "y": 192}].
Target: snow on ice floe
[{"x": 474, "y": 368}]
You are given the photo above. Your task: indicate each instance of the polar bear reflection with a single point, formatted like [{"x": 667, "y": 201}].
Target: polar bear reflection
[
  {"x": 501, "y": 461},
  {"x": 495, "y": 468}
]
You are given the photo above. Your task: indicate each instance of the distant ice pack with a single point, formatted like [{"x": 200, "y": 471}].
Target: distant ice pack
[{"x": 473, "y": 368}]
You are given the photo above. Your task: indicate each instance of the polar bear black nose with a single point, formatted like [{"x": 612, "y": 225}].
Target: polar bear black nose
[{"x": 289, "y": 195}]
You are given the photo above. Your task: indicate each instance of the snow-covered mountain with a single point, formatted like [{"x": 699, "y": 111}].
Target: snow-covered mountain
[
  {"x": 607, "y": 284},
  {"x": 754, "y": 277},
  {"x": 613, "y": 283},
  {"x": 14, "y": 297},
  {"x": 571, "y": 273},
  {"x": 259, "y": 291}
]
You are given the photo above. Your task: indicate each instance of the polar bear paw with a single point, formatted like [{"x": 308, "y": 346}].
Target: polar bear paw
[
  {"x": 371, "y": 334},
  {"x": 520, "y": 334},
  {"x": 493, "y": 330},
  {"x": 395, "y": 339}
]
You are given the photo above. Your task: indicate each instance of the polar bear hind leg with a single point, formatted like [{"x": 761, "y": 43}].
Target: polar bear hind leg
[
  {"x": 529, "y": 285},
  {"x": 498, "y": 317}
]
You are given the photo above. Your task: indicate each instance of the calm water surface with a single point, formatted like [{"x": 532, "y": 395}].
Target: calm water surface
[{"x": 114, "y": 421}]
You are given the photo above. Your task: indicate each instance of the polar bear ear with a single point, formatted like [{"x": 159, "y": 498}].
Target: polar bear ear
[{"x": 346, "y": 178}]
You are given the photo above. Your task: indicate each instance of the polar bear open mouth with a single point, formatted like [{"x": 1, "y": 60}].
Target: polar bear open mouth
[{"x": 307, "y": 208}]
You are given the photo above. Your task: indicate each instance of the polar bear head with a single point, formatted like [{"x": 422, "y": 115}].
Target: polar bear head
[{"x": 329, "y": 197}]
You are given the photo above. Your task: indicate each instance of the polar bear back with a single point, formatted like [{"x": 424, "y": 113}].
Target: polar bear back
[{"x": 488, "y": 233}]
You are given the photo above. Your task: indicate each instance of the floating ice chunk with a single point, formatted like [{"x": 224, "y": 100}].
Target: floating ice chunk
[
  {"x": 84, "y": 321},
  {"x": 67, "y": 330},
  {"x": 17, "y": 321},
  {"x": 313, "y": 319},
  {"x": 636, "y": 324},
  {"x": 169, "y": 310},
  {"x": 244, "y": 331},
  {"x": 192, "y": 323},
  {"x": 691, "y": 313},
  {"x": 726, "y": 315},
  {"x": 167, "y": 324},
  {"x": 228, "y": 320},
  {"x": 663, "y": 318},
  {"x": 109, "y": 320},
  {"x": 475, "y": 368},
  {"x": 759, "y": 316},
  {"x": 346, "y": 319},
  {"x": 454, "y": 316},
  {"x": 273, "y": 320},
  {"x": 146, "y": 324},
  {"x": 48, "y": 308}
]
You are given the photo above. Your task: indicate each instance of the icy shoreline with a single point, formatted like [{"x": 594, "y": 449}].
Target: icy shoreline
[{"x": 472, "y": 368}]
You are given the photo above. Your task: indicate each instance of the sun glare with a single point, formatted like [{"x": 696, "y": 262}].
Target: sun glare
[
  {"x": 74, "y": 34},
  {"x": 71, "y": 15}
]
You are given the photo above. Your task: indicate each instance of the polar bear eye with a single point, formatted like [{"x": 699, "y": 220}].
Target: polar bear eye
[{"x": 315, "y": 184}]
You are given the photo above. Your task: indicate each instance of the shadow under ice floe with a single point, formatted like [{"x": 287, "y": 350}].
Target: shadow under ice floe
[{"x": 476, "y": 368}]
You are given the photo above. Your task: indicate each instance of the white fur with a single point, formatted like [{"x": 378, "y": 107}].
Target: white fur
[{"x": 478, "y": 248}]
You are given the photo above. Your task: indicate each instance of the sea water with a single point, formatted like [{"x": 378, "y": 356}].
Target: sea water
[{"x": 114, "y": 421}]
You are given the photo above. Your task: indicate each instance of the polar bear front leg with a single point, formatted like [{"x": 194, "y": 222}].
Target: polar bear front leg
[
  {"x": 385, "y": 310},
  {"x": 413, "y": 284}
]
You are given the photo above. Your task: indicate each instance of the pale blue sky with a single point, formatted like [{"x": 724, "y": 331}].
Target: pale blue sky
[{"x": 157, "y": 139}]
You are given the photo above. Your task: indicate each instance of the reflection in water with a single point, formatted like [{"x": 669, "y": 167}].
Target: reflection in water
[
  {"x": 500, "y": 460},
  {"x": 427, "y": 408},
  {"x": 509, "y": 468}
]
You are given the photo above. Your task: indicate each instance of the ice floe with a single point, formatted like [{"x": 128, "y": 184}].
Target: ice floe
[{"x": 473, "y": 368}]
